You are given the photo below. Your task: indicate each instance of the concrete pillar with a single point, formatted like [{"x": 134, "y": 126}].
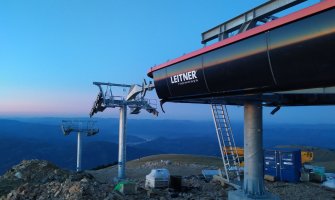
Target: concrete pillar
[
  {"x": 78, "y": 152},
  {"x": 253, "y": 150},
  {"x": 253, "y": 183},
  {"x": 122, "y": 143}
]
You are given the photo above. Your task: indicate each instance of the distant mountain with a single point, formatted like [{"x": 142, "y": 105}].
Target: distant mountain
[
  {"x": 317, "y": 135},
  {"x": 52, "y": 131},
  {"x": 13, "y": 150},
  {"x": 143, "y": 128},
  {"x": 14, "y": 128},
  {"x": 42, "y": 138}
]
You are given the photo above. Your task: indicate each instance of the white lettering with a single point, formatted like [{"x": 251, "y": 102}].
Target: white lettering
[
  {"x": 180, "y": 77},
  {"x": 194, "y": 73},
  {"x": 172, "y": 80},
  {"x": 184, "y": 78},
  {"x": 176, "y": 79},
  {"x": 189, "y": 76}
]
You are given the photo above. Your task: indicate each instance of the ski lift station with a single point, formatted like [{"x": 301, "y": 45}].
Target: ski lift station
[{"x": 258, "y": 60}]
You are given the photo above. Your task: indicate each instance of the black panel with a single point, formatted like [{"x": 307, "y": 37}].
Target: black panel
[
  {"x": 186, "y": 78},
  {"x": 240, "y": 66},
  {"x": 161, "y": 84},
  {"x": 303, "y": 53}
]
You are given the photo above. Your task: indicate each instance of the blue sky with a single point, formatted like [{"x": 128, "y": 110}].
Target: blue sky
[{"x": 52, "y": 50}]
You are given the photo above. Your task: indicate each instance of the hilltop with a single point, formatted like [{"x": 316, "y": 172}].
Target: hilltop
[
  {"x": 35, "y": 179},
  {"x": 177, "y": 164}
]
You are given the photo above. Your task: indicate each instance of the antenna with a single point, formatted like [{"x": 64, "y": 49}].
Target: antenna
[
  {"x": 134, "y": 100},
  {"x": 79, "y": 126}
]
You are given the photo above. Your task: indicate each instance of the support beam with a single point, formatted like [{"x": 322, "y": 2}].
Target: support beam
[
  {"x": 79, "y": 152},
  {"x": 122, "y": 143},
  {"x": 253, "y": 184},
  {"x": 260, "y": 12}
]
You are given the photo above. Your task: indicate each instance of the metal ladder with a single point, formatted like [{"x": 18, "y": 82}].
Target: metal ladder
[{"x": 226, "y": 141}]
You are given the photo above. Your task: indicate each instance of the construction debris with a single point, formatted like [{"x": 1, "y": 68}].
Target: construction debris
[
  {"x": 318, "y": 178},
  {"x": 176, "y": 182},
  {"x": 158, "y": 178},
  {"x": 304, "y": 176},
  {"x": 126, "y": 188},
  {"x": 219, "y": 179},
  {"x": 269, "y": 178},
  {"x": 329, "y": 184},
  {"x": 209, "y": 173}
]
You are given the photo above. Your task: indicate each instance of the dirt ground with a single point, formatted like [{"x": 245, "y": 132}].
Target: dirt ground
[
  {"x": 38, "y": 179},
  {"x": 182, "y": 165},
  {"x": 188, "y": 166}
]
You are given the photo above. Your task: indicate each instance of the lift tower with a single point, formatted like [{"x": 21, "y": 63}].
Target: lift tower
[
  {"x": 134, "y": 100},
  {"x": 79, "y": 126}
]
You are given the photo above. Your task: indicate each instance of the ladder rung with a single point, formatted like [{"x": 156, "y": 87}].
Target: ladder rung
[{"x": 230, "y": 157}]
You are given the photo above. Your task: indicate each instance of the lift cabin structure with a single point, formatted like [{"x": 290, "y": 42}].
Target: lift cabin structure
[{"x": 286, "y": 61}]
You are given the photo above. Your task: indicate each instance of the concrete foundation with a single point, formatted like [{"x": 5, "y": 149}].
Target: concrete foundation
[{"x": 240, "y": 195}]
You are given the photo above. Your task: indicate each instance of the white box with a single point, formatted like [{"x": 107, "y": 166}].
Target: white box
[{"x": 158, "y": 178}]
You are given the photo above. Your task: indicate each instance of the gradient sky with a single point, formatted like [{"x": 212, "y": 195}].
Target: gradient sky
[{"x": 52, "y": 50}]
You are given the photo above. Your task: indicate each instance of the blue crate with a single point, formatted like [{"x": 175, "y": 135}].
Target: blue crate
[{"x": 283, "y": 163}]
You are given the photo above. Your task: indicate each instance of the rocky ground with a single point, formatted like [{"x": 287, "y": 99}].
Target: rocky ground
[{"x": 34, "y": 179}]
